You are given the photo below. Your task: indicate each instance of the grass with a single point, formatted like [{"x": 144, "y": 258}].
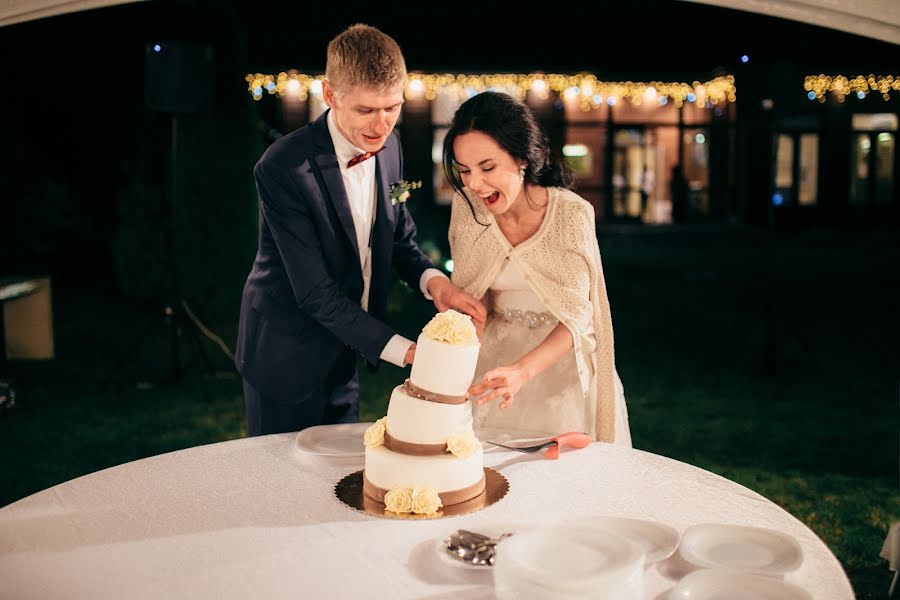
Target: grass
[{"x": 697, "y": 315}]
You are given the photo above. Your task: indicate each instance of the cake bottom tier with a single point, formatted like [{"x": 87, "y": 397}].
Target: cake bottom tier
[{"x": 455, "y": 479}]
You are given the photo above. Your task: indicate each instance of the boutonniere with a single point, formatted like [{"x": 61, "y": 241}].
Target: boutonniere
[{"x": 400, "y": 190}]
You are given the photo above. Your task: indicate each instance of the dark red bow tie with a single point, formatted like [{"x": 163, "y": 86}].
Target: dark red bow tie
[{"x": 364, "y": 156}]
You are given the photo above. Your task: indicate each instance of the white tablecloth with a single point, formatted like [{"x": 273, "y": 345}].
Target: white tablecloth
[{"x": 252, "y": 519}]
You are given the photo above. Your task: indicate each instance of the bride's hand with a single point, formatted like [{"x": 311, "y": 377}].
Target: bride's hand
[
  {"x": 502, "y": 382},
  {"x": 479, "y": 329}
]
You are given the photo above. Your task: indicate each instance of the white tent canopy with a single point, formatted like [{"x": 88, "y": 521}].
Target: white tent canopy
[
  {"x": 878, "y": 19},
  {"x": 19, "y": 11}
]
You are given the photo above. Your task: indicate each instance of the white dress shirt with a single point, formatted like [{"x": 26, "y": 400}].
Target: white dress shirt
[{"x": 359, "y": 182}]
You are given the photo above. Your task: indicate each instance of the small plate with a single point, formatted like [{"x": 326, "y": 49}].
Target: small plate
[
  {"x": 344, "y": 441},
  {"x": 743, "y": 549},
  {"x": 657, "y": 541},
  {"x": 493, "y": 531},
  {"x": 717, "y": 585}
]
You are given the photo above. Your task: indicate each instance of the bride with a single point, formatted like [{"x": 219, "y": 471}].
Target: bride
[{"x": 526, "y": 245}]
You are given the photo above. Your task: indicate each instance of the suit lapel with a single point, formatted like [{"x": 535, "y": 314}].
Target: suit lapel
[
  {"x": 385, "y": 220},
  {"x": 326, "y": 160},
  {"x": 383, "y": 231}
]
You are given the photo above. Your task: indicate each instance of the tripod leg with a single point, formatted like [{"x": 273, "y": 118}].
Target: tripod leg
[
  {"x": 127, "y": 355},
  {"x": 200, "y": 350}
]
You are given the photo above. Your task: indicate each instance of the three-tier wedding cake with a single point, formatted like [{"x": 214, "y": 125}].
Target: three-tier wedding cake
[{"x": 424, "y": 454}]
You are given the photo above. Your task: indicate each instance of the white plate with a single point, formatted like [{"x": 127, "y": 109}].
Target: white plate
[
  {"x": 724, "y": 585},
  {"x": 658, "y": 541},
  {"x": 744, "y": 549},
  {"x": 332, "y": 441},
  {"x": 598, "y": 565}
]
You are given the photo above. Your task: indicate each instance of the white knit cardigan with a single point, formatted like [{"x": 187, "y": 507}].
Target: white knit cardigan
[{"x": 561, "y": 261}]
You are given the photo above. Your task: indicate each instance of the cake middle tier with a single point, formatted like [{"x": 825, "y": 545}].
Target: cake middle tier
[
  {"x": 418, "y": 421},
  {"x": 443, "y": 368},
  {"x": 446, "y": 473}
]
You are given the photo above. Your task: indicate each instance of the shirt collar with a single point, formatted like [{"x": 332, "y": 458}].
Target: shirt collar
[{"x": 342, "y": 146}]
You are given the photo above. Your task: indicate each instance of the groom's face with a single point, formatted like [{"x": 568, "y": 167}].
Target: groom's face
[{"x": 365, "y": 116}]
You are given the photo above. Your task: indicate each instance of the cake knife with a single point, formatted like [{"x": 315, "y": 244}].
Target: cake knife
[{"x": 575, "y": 439}]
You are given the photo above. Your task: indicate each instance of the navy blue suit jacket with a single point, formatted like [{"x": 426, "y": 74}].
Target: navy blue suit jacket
[{"x": 300, "y": 311}]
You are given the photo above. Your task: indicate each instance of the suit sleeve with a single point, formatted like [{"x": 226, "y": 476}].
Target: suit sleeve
[{"x": 317, "y": 294}]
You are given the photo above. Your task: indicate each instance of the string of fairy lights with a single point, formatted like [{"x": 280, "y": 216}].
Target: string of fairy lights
[
  {"x": 841, "y": 86},
  {"x": 586, "y": 88}
]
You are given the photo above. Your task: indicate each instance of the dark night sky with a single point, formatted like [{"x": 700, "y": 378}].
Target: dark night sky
[
  {"x": 74, "y": 108},
  {"x": 640, "y": 37}
]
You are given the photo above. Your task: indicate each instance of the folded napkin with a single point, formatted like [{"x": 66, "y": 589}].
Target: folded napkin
[{"x": 890, "y": 551}]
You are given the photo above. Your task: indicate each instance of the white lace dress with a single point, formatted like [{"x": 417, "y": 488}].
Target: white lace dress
[
  {"x": 551, "y": 403},
  {"x": 557, "y": 270}
]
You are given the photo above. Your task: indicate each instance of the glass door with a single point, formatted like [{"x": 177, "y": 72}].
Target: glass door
[
  {"x": 637, "y": 177},
  {"x": 796, "y": 169},
  {"x": 872, "y": 168}
]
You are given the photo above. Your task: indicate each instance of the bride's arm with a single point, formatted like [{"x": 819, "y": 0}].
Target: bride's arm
[
  {"x": 506, "y": 382},
  {"x": 488, "y": 304}
]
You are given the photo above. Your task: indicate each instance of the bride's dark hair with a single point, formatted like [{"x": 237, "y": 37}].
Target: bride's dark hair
[{"x": 513, "y": 126}]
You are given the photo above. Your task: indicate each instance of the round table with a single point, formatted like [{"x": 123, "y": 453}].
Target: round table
[{"x": 253, "y": 518}]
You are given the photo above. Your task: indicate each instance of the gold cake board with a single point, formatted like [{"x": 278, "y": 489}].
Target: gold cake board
[{"x": 349, "y": 490}]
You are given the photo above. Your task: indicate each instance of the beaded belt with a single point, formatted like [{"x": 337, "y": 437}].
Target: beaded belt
[{"x": 528, "y": 318}]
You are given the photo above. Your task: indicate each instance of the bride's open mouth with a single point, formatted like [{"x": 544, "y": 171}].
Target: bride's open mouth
[{"x": 491, "y": 199}]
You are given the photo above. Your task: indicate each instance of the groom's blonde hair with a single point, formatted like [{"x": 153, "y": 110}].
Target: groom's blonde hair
[{"x": 363, "y": 55}]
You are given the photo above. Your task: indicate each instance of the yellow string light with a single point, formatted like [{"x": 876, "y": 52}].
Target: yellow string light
[
  {"x": 585, "y": 87},
  {"x": 841, "y": 86}
]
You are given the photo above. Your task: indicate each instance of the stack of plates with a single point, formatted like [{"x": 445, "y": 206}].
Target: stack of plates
[
  {"x": 605, "y": 557},
  {"x": 714, "y": 584},
  {"x": 739, "y": 563},
  {"x": 560, "y": 562}
]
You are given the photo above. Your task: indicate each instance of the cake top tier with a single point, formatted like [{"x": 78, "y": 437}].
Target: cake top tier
[{"x": 453, "y": 328}]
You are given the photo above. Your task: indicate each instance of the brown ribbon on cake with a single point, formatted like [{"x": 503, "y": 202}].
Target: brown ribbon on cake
[
  {"x": 412, "y": 448},
  {"x": 422, "y": 394},
  {"x": 452, "y": 497}
]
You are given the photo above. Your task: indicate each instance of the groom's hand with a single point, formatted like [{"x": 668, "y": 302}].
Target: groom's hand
[
  {"x": 446, "y": 296},
  {"x": 410, "y": 355}
]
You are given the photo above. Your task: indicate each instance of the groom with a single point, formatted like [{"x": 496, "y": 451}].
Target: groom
[{"x": 329, "y": 236}]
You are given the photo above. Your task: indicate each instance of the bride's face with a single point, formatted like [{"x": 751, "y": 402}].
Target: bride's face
[{"x": 488, "y": 170}]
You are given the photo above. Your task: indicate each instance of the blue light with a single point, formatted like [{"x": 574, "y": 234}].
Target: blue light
[
  {"x": 611, "y": 101},
  {"x": 663, "y": 101},
  {"x": 811, "y": 95},
  {"x": 745, "y": 59},
  {"x": 157, "y": 48},
  {"x": 777, "y": 199},
  {"x": 257, "y": 91},
  {"x": 691, "y": 97},
  {"x": 270, "y": 86},
  {"x": 860, "y": 95}
]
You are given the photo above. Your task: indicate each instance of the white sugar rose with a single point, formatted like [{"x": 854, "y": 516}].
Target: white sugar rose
[
  {"x": 463, "y": 446},
  {"x": 399, "y": 500},
  {"x": 452, "y": 327},
  {"x": 425, "y": 501},
  {"x": 374, "y": 435}
]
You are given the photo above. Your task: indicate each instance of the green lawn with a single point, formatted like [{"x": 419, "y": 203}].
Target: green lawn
[{"x": 693, "y": 325}]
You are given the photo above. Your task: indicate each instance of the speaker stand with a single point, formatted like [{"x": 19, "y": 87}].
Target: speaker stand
[{"x": 173, "y": 311}]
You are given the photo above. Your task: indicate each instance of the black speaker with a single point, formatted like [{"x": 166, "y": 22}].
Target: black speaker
[{"x": 179, "y": 77}]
